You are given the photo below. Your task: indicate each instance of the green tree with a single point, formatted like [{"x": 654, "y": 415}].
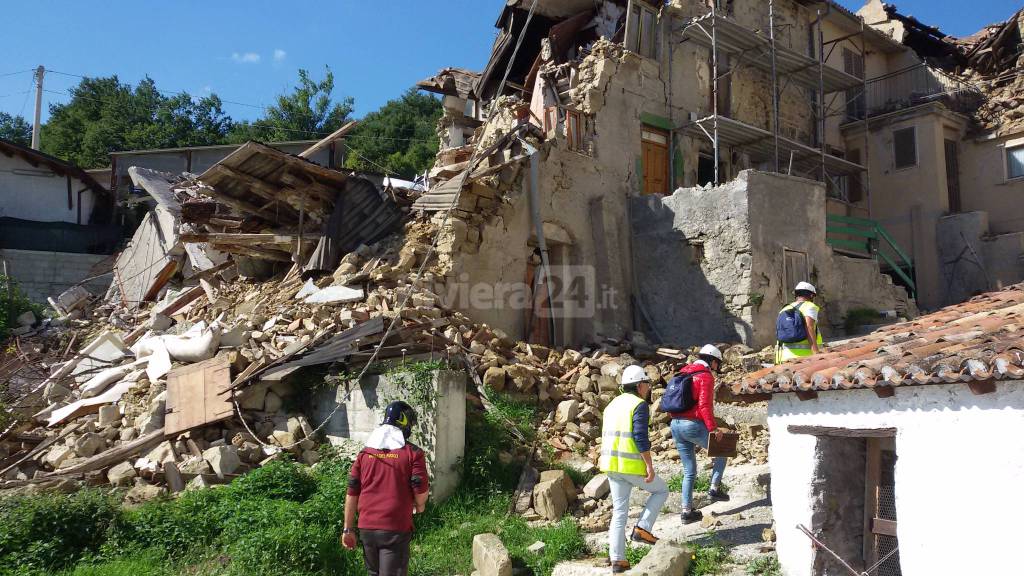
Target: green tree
[
  {"x": 15, "y": 129},
  {"x": 305, "y": 114},
  {"x": 400, "y": 138},
  {"x": 105, "y": 115}
]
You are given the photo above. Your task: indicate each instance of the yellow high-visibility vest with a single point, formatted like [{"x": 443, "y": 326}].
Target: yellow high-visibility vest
[
  {"x": 785, "y": 352},
  {"x": 619, "y": 452}
]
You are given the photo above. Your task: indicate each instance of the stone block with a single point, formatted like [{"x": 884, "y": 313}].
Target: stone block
[
  {"x": 536, "y": 548},
  {"x": 223, "y": 460},
  {"x": 597, "y": 487},
  {"x": 122, "y": 474},
  {"x": 109, "y": 415},
  {"x": 567, "y": 484},
  {"x": 494, "y": 378},
  {"x": 26, "y": 319},
  {"x": 549, "y": 499},
  {"x": 665, "y": 559},
  {"x": 89, "y": 444},
  {"x": 567, "y": 411},
  {"x": 254, "y": 397},
  {"x": 57, "y": 455},
  {"x": 490, "y": 557}
]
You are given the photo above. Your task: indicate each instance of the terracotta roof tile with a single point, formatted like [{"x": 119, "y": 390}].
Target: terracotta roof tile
[{"x": 979, "y": 340}]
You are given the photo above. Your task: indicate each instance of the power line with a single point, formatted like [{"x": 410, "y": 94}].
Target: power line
[
  {"x": 13, "y": 94},
  {"x": 15, "y": 73}
]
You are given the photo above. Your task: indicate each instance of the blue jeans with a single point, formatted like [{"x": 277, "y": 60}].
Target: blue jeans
[
  {"x": 688, "y": 434},
  {"x": 621, "y": 487}
]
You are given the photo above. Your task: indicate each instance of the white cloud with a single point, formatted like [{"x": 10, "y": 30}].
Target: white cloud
[
  {"x": 245, "y": 57},
  {"x": 279, "y": 55}
]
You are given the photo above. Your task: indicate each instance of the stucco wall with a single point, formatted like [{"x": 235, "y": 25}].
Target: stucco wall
[
  {"x": 985, "y": 187},
  {"x": 909, "y": 202},
  {"x": 45, "y": 274},
  {"x": 957, "y": 473},
  {"x": 36, "y": 193}
]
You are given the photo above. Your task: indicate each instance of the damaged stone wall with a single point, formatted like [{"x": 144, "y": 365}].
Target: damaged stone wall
[
  {"x": 973, "y": 259},
  {"x": 837, "y": 496},
  {"x": 723, "y": 249}
]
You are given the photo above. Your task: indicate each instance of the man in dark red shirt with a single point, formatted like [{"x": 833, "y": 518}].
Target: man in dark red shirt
[
  {"x": 693, "y": 427},
  {"x": 388, "y": 481}
]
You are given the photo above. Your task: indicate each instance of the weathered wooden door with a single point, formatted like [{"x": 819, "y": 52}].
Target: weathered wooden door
[
  {"x": 655, "y": 160},
  {"x": 193, "y": 395}
]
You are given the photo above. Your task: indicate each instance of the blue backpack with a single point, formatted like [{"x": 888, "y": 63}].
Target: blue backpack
[
  {"x": 679, "y": 393},
  {"x": 790, "y": 327}
]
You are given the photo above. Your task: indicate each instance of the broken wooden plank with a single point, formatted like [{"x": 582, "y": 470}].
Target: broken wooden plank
[
  {"x": 43, "y": 446},
  {"x": 308, "y": 152},
  {"x": 883, "y": 527},
  {"x": 842, "y": 432},
  {"x": 245, "y": 239}
]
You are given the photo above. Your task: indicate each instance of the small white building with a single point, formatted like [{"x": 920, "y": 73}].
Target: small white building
[
  {"x": 56, "y": 225},
  {"x": 904, "y": 447}
]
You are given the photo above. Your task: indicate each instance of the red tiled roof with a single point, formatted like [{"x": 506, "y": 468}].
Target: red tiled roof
[{"x": 981, "y": 340}]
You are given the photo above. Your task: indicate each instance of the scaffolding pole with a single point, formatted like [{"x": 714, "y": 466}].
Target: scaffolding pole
[
  {"x": 714, "y": 89},
  {"x": 866, "y": 161},
  {"x": 821, "y": 97},
  {"x": 775, "y": 82}
]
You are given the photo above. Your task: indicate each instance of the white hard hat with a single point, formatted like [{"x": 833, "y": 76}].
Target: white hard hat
[
  {"x": 711, "y": 350},
  {"x": 633, "y": 375},
  {"x": 807, "y": 286}
]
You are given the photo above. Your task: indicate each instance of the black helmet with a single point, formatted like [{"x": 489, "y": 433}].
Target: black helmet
[{"x": 400, "y": 415}]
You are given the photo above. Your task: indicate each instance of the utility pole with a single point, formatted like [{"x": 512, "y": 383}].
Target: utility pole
[{"x": 40, "y": 72}]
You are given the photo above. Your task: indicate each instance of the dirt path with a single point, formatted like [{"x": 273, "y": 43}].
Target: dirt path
[{"x": 742, "y": 521}]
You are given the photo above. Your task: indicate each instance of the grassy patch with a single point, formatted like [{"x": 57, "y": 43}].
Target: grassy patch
[
  {"x": 701, "y": 484},
  {"x": 764, "y": 566},
  {"x": 522, "y": 415},
  {"x": 708, "y": 559},
  {"x": 13, "y": 303},
  {"x": 282, "y": 519}
]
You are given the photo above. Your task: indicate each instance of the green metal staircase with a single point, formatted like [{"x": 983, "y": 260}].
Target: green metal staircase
[{"x": 868, "y": 239}]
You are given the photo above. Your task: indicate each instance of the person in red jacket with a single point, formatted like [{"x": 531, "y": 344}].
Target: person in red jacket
[
  {"x": 694, "y": 427},
  {"x": 387, "y": 483}
]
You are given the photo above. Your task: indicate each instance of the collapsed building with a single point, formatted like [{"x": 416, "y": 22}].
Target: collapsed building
[{"x": 665, "y": 171}]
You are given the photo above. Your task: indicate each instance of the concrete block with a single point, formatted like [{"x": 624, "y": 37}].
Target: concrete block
[
  {"x": 549, "y": 499},
  {"x": 109, "y": 415}
]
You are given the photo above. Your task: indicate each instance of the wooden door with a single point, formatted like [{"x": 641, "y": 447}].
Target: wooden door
[
  {"x": 655, "y": 160},
  {"x": 538, "y": 317},
  {"x": 193, "y": 395}
]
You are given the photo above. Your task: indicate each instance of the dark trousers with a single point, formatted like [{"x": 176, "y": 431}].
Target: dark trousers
[{"x": 386, "y": 552}]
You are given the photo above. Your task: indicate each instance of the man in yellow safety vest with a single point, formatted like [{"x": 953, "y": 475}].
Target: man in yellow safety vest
[
  {"x": 626, "y": 459},
  {"x": 797, "y": 327}
]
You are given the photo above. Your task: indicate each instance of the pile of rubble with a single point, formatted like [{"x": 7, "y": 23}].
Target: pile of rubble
[{"x": 181, "y": 373}]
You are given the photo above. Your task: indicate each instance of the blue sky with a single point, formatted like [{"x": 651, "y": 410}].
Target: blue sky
[{"x": 248, "y": 52}]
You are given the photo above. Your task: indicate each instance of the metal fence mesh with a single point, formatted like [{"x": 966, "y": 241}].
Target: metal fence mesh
[{"x": 885, "y": 544}]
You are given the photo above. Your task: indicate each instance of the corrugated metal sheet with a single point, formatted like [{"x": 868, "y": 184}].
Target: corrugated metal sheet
[{"x": 979, "y": 341}]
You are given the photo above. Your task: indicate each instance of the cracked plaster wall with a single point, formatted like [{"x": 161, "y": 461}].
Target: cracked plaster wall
[{"x": 712, "y": 260}]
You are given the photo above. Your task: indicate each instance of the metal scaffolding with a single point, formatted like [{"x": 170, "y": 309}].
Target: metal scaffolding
[{"x": 788, "y": 69}]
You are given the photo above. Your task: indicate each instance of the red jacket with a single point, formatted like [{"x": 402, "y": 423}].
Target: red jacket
[
  {"x": 703, "y": 393},
  {"x": 385, "y": 481}
]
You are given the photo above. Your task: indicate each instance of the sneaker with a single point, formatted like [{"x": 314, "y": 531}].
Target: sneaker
[
  {"x": 641, "y": 535},
  {"x": 620, "y": 567},
  {"x": 692, "y": 516},
  {"x": 717, "y": 495}
]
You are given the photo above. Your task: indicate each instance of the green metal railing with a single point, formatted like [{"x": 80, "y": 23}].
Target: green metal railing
[{"x": 868, "y": 237}]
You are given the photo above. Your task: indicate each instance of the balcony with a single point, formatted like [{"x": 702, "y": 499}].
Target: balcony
[{"x": 909, "y": 87}]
